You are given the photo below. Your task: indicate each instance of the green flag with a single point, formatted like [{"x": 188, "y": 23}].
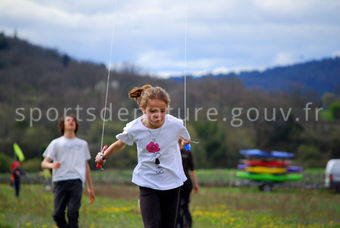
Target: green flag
[{"x": 18, "y": 152}]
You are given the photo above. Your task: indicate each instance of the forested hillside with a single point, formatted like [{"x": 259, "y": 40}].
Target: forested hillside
[
  {"x": 319, "y": 76},
  {"x": 38, "y": 85}
]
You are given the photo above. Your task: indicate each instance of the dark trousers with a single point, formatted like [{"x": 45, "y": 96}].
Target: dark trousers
[
  {"x": 17, "y": 186},
  {"x": 67, "y": 194},
  {"x": 159, "y": 208},
  {"x": 184, "y": 219}
]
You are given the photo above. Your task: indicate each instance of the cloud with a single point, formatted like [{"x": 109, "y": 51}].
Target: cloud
[
  {"x": 172, "y": 61},
  {"x": 336, "y": 53},
  {"x": 221, "y": 34},
  {"x": 284, "y": 58}
]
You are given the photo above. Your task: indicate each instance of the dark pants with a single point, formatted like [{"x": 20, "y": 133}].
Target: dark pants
[
  {"x": 67, "y": 194},
  {"x": 159, "y": 208},
  {"x": 184, "y": 219},
  {"x": 17, "y": 186}
]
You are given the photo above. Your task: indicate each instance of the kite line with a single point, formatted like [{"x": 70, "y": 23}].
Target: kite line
[{"x": 113, "y": 34}]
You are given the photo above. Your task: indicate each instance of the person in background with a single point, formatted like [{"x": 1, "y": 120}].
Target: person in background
[
  {"x": 68, "y": 157},
  {"x": 16, "y": 173},
  {"x": 184, "y": 219}
]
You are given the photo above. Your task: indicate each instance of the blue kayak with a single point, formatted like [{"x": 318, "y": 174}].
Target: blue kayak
[{"x": 264, "y": 154}]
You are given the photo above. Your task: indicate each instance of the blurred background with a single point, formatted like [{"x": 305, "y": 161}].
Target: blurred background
[
  {"x": 253, "y": 74},
  {"x": 268, "y": 71}
]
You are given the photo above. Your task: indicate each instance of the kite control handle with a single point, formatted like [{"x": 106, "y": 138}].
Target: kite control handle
[{"x": 100, "y": 164}]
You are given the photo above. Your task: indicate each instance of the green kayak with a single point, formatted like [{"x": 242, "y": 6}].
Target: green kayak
[{"x": 269, "y": 177}]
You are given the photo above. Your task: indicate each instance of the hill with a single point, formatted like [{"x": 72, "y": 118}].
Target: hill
[
  {"x": 30, "y": 70},
  {"x": 320, "y": 76}
]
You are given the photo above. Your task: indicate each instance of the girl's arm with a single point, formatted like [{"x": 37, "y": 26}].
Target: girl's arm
[{"x": 114, "y": 148}]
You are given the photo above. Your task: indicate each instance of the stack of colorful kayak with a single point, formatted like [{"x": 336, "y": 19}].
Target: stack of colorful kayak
[{"x": 268, "y": 166}]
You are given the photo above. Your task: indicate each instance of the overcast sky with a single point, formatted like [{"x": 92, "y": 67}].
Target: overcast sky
[{"x": 221, "y": 35}]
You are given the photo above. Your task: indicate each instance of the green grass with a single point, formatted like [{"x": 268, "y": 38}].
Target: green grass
[
  {"x": 315, "y": 170},
  {"x": 35, "y": 205},
  {"x": 117, "y": 206}
]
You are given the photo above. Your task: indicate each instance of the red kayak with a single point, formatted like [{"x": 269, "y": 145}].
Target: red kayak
[{"x": 266, "y": 163}]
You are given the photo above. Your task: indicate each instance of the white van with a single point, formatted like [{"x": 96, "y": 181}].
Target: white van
[{"x": 332, "y": 180}]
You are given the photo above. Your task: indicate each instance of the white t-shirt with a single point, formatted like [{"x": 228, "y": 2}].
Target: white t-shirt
[
  {"x": 72, "y": 154},
  {"x": 169, "y": 173}
]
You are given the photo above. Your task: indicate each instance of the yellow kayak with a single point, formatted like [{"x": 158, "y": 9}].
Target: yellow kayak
[{"x": 263, "y": 169}]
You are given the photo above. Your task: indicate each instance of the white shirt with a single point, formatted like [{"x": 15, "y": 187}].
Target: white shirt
[
  {"x": 169, "y": 173},
  {"x": 72, "y": 154}
]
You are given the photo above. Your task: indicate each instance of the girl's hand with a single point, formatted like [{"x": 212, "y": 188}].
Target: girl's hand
[
  {"x": 184, "y": 141},
  {"x": 99, "y": 158}
]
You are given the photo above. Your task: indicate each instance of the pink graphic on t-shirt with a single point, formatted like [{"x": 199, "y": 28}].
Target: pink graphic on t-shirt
[{"x": 153, "y": 147}]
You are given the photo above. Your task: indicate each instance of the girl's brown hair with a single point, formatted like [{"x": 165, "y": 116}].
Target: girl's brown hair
[
  {"x": 61, "y": 124},
  {"x": 142, "y": 94}
]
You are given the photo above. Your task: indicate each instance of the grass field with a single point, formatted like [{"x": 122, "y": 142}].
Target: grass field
[{"x": 117, "y": 206}]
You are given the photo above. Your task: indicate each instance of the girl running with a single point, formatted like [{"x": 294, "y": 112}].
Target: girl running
[{"x": 159, "y": 172}]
